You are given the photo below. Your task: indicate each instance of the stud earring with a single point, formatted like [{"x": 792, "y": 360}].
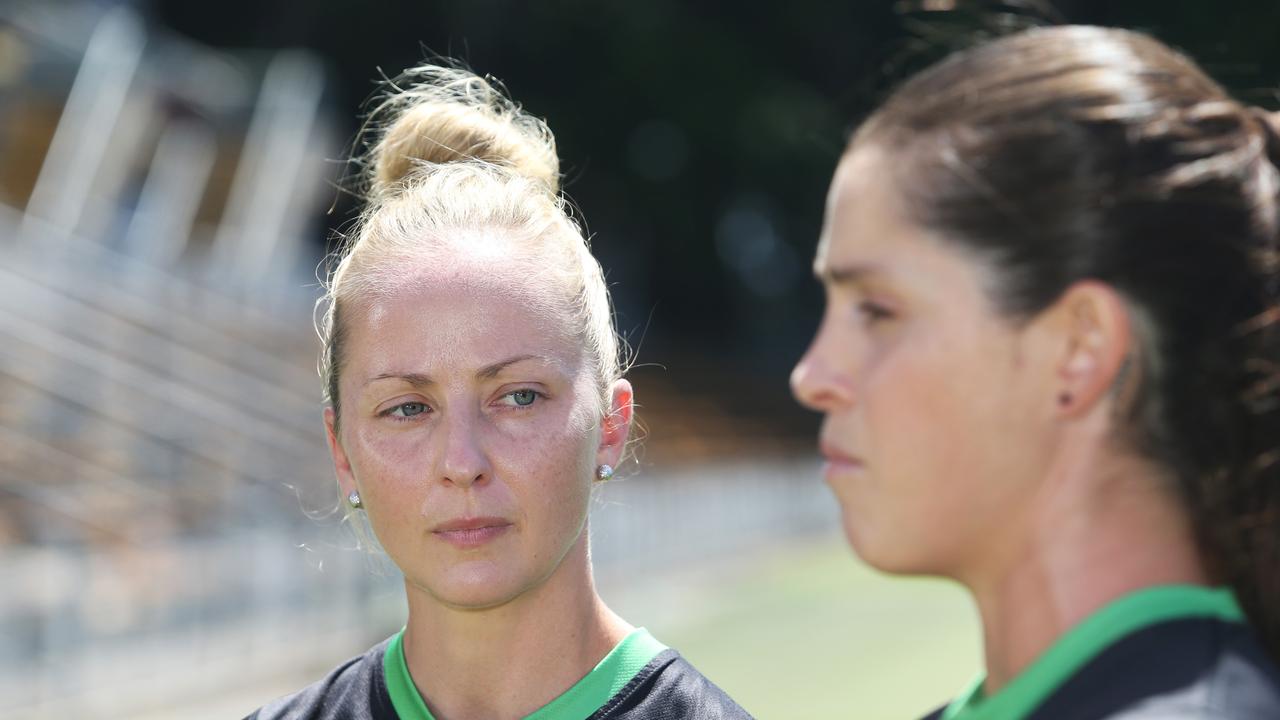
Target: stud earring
[
  {"x": 354, "y": 500},
  {"x": 604, "y": 472}
]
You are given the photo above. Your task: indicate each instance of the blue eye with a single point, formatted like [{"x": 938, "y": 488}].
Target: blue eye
[
  {"x": 523, "y": 398},
  {"x": 408, "y": 409}
]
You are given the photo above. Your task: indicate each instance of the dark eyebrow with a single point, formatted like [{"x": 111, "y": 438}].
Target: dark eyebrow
[{"x": 848, "y": 275}]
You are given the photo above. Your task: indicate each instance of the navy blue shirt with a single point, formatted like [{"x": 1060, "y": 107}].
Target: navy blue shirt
[
  {"x": 1204, "y": 662},
  {"x": 665, "y": 687}
]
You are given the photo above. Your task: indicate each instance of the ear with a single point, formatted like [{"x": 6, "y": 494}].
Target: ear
[
  {"x": 1095, "y": 337},
  {"x": 341, "y": 465},
  {"x": 615, "y": 428}
]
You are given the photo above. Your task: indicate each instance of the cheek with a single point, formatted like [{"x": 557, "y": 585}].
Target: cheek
[
  {"x": 899, "y": 512},
  {"x": 549, "y": 455},
  {"x": 937, "y": 429},
  {"x": 950, "y": 443},
  {"x": 385, "y": 457},
  {"x": 551, "y": 437},
  {"x": 392, "y": 472},
  {"x": 550, "y": 475},
  {"x": 912, "y": 420}
]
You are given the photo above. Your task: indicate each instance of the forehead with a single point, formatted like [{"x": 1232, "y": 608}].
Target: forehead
[
  {"x": 465, "y": 311},
  {"x": 869, "y": 235},
  {"x": 865, "y": 215}
]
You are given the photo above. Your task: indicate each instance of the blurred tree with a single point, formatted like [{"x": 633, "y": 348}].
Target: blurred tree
[{"x": 699, "y": 137}]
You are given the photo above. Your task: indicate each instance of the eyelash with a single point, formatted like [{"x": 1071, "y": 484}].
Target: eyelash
[
  {"x": 536, "y": 397},
  {"x": 390, "y": 412},
  {"x": 873, "y": 313}
]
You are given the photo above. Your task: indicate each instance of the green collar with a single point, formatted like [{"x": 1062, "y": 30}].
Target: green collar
[
  {"x": 578, "y": 702},
  {"x": 1070, "y": 652}
]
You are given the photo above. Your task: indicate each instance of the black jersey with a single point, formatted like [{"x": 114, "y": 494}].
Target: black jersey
[
  {"x": 640, "y": 680},
  {"x": 1169, "y": 653}
]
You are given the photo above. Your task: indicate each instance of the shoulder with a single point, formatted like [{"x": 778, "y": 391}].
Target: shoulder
[
  {"x": 1196, "y": 668},
  {"x": 1240, "y": 683},
  {"x": 668, "y": 687},
  {"x": 355, "y": 690}
]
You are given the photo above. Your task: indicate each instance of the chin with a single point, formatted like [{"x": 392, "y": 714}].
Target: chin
[
  {"x": 474, "y": 586},
  {"x": 480, "y": 583},
  {"x": 884, "y": 553}
]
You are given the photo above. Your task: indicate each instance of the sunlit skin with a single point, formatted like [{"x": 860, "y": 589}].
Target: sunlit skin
[
  {"x": 963, "y": 443},
  {"x": 472, "y": 427}
]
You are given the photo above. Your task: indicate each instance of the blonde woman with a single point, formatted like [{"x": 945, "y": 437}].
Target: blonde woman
[{"x": 475, "y": 395}]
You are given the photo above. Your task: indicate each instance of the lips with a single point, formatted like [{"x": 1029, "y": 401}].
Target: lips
[
  {"x": 471, "y": 532},
  {"x": 838, "y": 457}
]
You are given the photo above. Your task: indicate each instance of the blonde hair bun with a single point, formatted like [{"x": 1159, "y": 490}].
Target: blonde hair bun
[{"x": 434, "y": 115}]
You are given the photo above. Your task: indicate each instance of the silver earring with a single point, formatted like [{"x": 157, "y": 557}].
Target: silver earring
[
  {"x": 604, "y": 472},
  {"x": 354, "y": 500}
]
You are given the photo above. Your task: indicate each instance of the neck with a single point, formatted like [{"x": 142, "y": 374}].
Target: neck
[
  {"x": 1094, "y": 534},
  {"x": 507, "y": 661}
]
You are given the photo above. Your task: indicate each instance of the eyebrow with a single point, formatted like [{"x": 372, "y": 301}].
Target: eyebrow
[
  {"x": 488, "y": 372},
  {"x": 845, "y": 275}
]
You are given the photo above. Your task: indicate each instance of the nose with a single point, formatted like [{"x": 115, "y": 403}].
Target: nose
[
  {"x": 817, "y": 381},
  {"x": 463, "y": 462}
]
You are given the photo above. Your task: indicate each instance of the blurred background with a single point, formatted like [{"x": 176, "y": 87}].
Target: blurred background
[{"x": 171, "y": 178}]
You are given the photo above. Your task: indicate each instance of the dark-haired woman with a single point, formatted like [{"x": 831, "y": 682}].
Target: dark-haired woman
[{"x": 1050, "y": 369}]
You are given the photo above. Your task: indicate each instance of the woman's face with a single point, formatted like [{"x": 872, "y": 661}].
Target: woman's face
[
  {"x": 471, "y": 429},
  {"x": 932, "y": 426}
]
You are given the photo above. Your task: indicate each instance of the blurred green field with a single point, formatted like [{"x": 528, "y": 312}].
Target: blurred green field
[{"x": 809, "y": 632}]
